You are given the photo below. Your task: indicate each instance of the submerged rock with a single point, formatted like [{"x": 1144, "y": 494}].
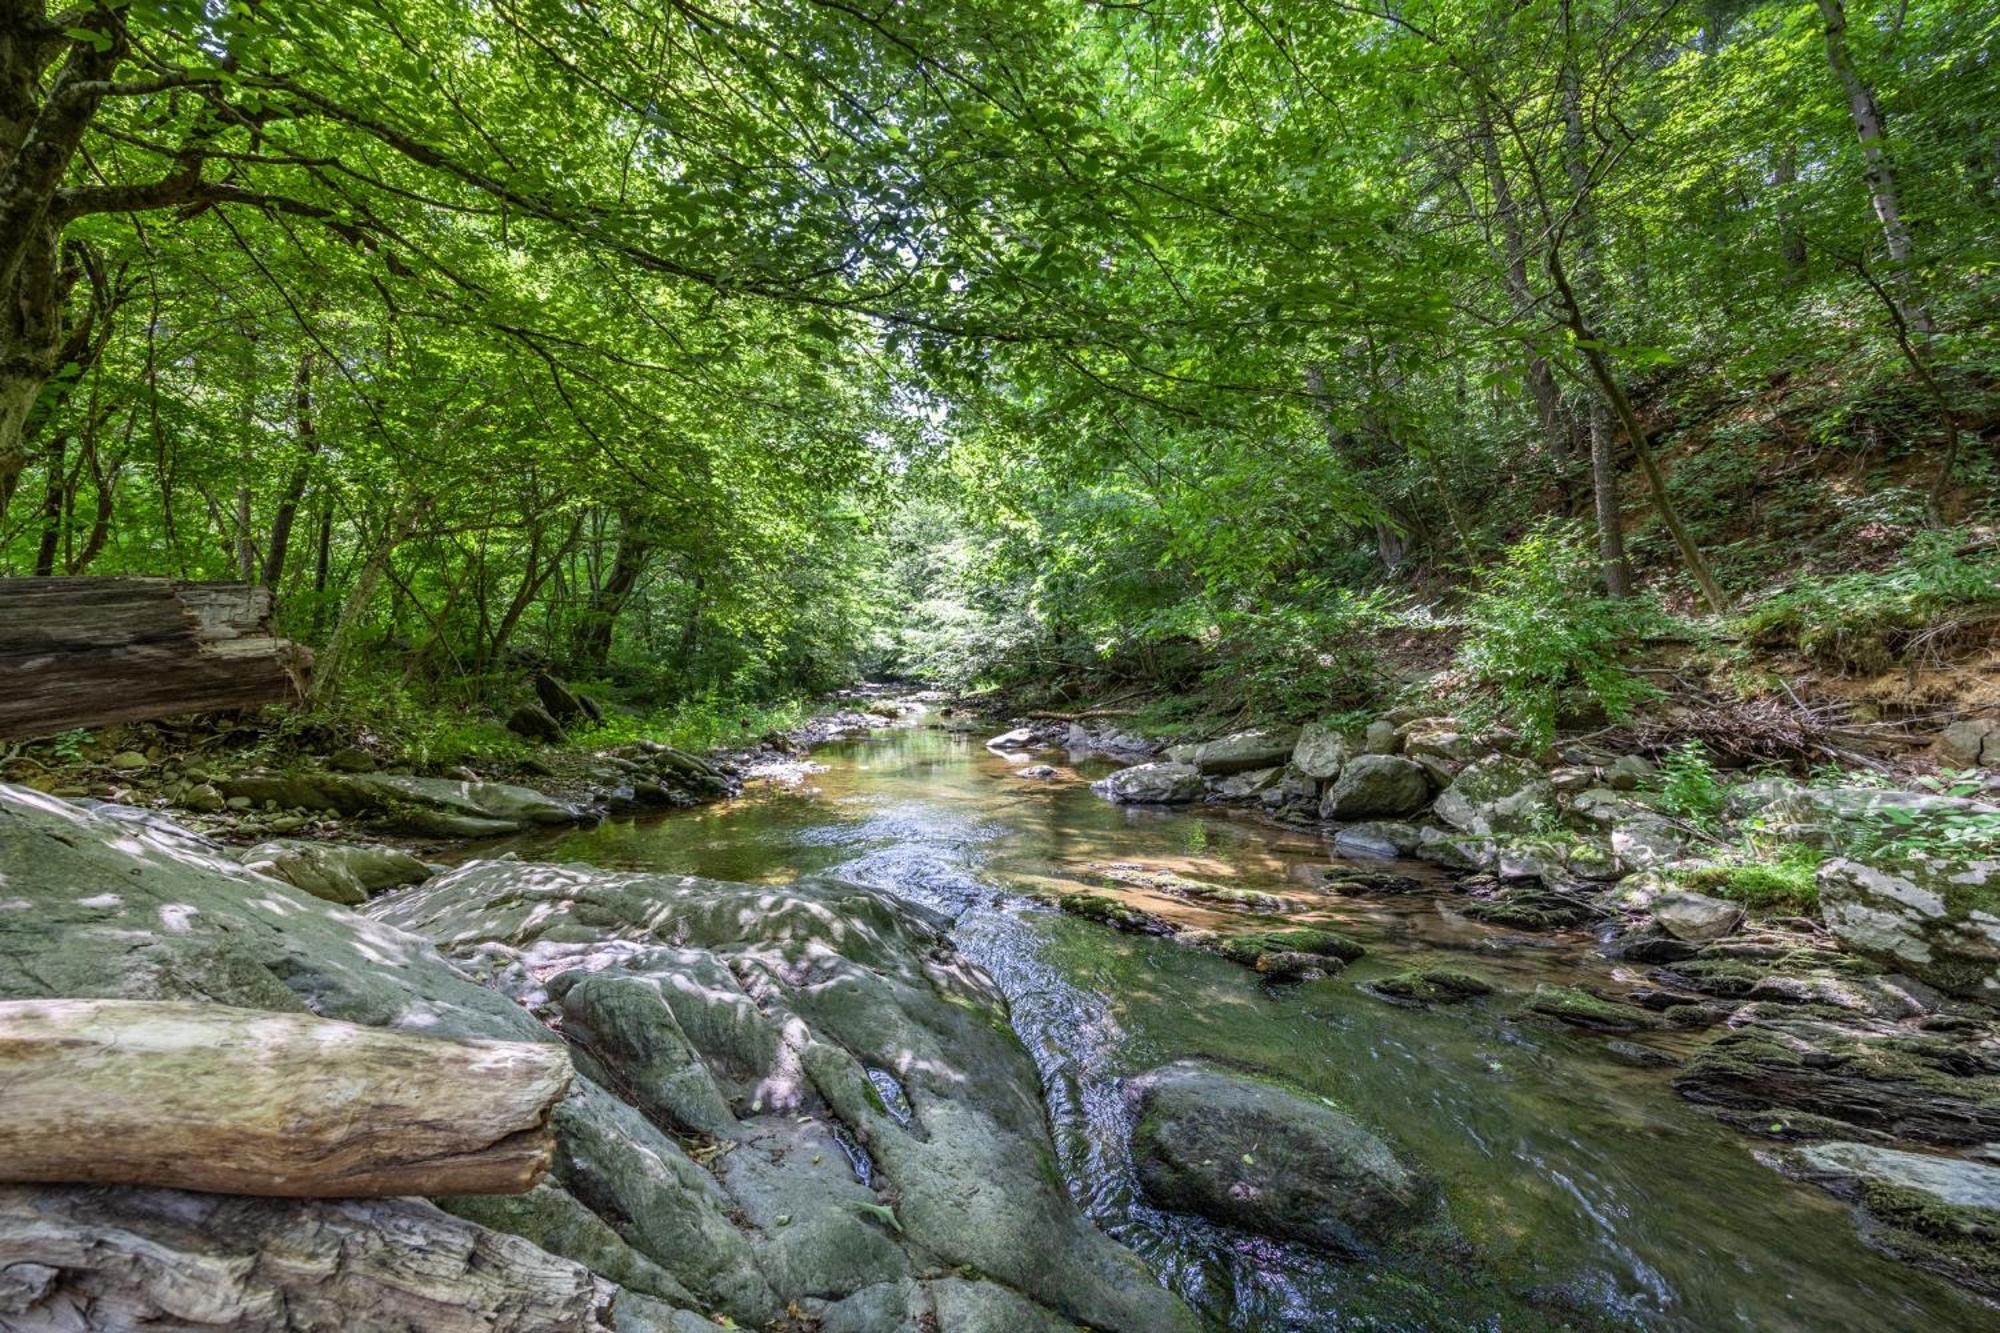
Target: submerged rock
[
  {"x": 1579, "y": 1008},
  {"x": 1938, "y": 921},
  {"x": 1151, "y": 784},
  {"x": 1264, "y": 1158},
  {"x": 1431, "y": 985},
  {"x": 1373, "y": 786},
  {"x": 1938, "y": 1213}
]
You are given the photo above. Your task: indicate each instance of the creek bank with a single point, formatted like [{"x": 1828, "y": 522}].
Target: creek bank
[
  {"x": 727, "y": 1150},
  {"x": 1863, "y": 1018},
  {"x": 228, "y": 780}
]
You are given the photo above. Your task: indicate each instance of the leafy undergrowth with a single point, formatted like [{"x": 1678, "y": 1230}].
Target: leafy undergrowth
[
  {"x": 1782, "y": 882},
  {"x": 1946, "y": 584}
]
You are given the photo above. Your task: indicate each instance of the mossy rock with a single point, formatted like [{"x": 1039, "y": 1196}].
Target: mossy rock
[
  {"x": 1431, "y": 985},
  {"x": 1109, "y": 911},
  {"x": 1321, "y": 944},
  {"x": 1579, "y": 1008}
]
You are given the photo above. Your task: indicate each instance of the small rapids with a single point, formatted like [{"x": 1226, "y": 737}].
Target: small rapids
[{"x": 1582, "y": 1193}]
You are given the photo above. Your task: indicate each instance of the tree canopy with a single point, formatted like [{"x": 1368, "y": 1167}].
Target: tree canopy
[{"x": 720, "y": 345}]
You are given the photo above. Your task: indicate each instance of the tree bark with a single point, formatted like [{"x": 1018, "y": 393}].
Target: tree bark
[
  {"x": 1604, "y": 502},
  {"x": 593, "y": 638},
  {"x": 89, "y": 652},
  {"x": 243, "y": 1101},
  {"x": 1872, "y": 131},
  {"x": 240, "y": 1101}
]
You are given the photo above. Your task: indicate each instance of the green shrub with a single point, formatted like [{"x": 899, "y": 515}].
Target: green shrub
[
  {"x": 697, "y": 724},
  {"x": 1305, "y": 657},
  {"x": 1783, "y": 882},
  {"x": 1690, "y": 788},
  {"x": 1538, "y": 629},
  {"x": 1868, "y": 621}
]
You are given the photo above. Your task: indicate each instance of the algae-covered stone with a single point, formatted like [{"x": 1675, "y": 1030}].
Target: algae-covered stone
[
  {"x": 1374, "y": 786},
  {"x": 1498, "y": 795},
  {"x": 1579, "y": 1008},
  {"x": 1306, "y": 940},
  {"x": 1777, "y": 1070},
  {"x": 1259, "y": 1156},
  {"x": 1937, "y": 920},
  {"x": 1431, "y": 985},
  {"x": 1938, "y": 1213}
]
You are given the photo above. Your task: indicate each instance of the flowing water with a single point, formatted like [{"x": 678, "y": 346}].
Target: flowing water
[{"x": 1585, "y": 1192}]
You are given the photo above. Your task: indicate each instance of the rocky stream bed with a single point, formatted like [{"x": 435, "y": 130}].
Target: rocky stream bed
[{"x": 1396, "y": 1029}]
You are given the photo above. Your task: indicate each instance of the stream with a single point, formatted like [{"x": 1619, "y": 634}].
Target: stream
[{"x": 1586, "y": 1192}]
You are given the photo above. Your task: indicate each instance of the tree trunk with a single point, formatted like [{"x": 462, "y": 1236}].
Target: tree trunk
[
  {"x": 333, "y": 662},
  {"x": 245, "y": 1101},
  {"x": 295, "y": 487},
  {"x": 90, "y": 652},
  {"x": 1592, "y": 345},
  {"x": 1604, "y": 497},
  {"x": 1543, "y": 394},
  {"x": 1872, "y": 131},
  {"x": 593, "y": 638},
  {"x": 54, "y": 502},
  {"x": 1617, "y": 571}
]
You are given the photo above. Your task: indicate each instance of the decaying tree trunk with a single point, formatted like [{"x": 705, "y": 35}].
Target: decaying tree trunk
[
  {"x": 78, "y": 652},
  {"x": 122, "y": 1259},
  {"x": 243, "y": 1101}
]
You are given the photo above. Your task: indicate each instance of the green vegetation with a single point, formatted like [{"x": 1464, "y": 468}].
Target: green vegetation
[
  {"x": 1690, "y": 788},
  {"x": 1538, "y": 636},
  {"x": 715, "y": 358},
  {"x": 1779, "y": 882}
]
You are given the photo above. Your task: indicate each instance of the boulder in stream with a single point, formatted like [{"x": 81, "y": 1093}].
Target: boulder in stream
[
  {"x": 1376, "y": 786},
  {"x": 1238, "y": 753},
  {"x": 1259, "y": 1156},
  {"x": 1151, "y": 784}
]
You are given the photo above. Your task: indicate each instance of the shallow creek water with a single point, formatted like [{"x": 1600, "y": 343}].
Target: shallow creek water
[{"x": 1587, "y": 1194}]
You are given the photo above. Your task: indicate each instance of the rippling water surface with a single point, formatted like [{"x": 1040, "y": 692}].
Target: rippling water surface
[{"x": 1586, "y": 1193}]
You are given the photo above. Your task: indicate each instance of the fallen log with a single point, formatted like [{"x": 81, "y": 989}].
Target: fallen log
[
  {"x": 245, "y": 1101},
  {"x": 80, "y": 652},
  {"x": 111, "y": 1260}
]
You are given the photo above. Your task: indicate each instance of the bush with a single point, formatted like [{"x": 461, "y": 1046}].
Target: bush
[
  {"x": 1303, "y": 658},
  {"x": 1870, "y": 622},
  {"x": 1538, "y": 629},
  {"x": 1690, "y": 788}
]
